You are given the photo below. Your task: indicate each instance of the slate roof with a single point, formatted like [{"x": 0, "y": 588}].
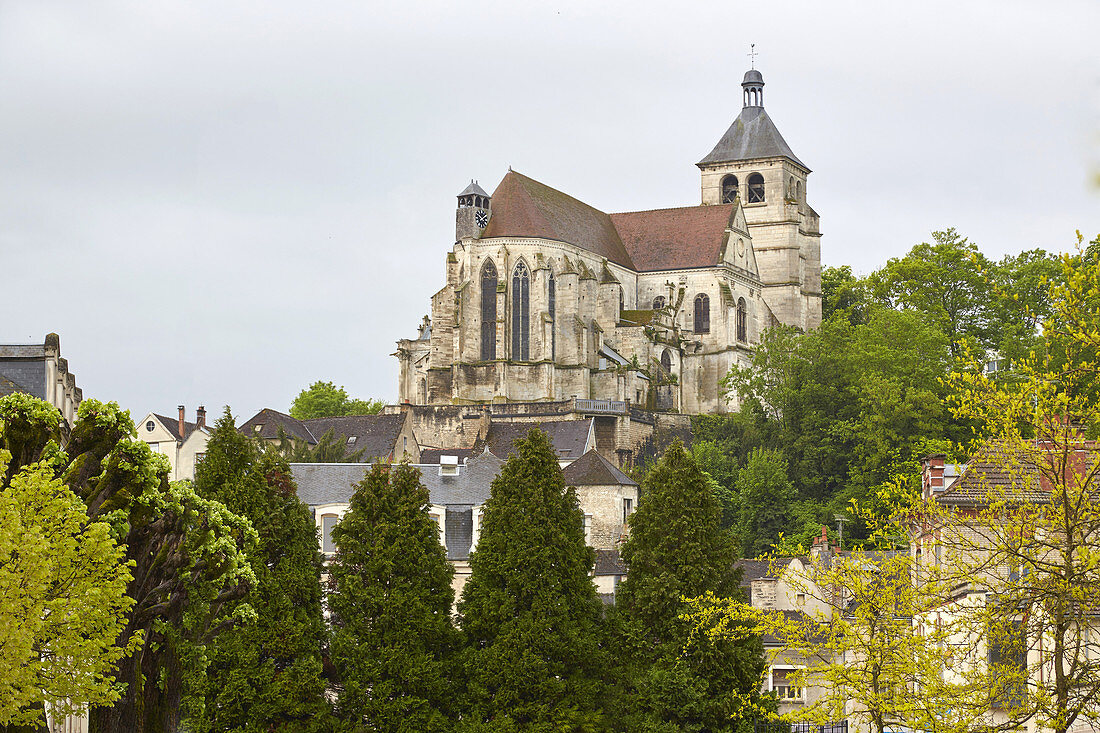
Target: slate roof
[
  {"x": 752, "y": 135},
  {"x": 172, "y": 425},
  {"x": 608, "y": 562},
  {"x": 568, "y": 437},
  {"x": 592, "y": 469},
  {"x": 432, "y": 455},
  {"x": 753, "y": 570},
  {"x": 332, "y": 483},
  {"x": 674, "y": 239},
  {"x": 270, "y": 421},
  {"x": 473, "y": 188},
  {"x": 23, "y": 376},
  {"x": 523, "y": 207},
  {"x": 376, "y": 433}
]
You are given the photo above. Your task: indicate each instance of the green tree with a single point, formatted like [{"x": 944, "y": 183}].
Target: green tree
[
  {"x": 393, "y": 644},
  {"x": 676, "y": 549},
  {"x": 325, "y": 399},
  {"x": 63, "y": 583},
  {"x": 948, "y": 282},
  {"x": 267, "y": 675},
  {"x": 843, "y": 295},
  {"x": 716, "y": 462},
  {"x": 529, "y": 612},
  {"x": 766, "y": 499},
  {"x": 188, "y": 554}
]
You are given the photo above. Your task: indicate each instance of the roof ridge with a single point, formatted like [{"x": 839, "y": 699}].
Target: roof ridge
[{"x": 672, "y": 208}]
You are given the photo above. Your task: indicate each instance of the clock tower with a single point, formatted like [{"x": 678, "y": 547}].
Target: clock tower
[{"x": 473, "y": 212}]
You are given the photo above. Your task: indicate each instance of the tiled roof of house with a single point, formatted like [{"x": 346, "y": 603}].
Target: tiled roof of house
[
  {"x": 752, "y": 135},
  {"x": 375, "y": 435},
  {"x": 608, "y": 562},
  {"x": 993, "y": 473},
  {"x": 674, "y": 239},
  {"x": 753, "y": 570},
  {"x": 568, "y": 437},
  {"x": 333, "y": 483},
  {"x": 431, "y": 456},
  {"x": 523, "y": 207},
  {"x": 269, "y": 421},
  {"x": 172, "y": 425},
  {"x": 592, "y": 469}
]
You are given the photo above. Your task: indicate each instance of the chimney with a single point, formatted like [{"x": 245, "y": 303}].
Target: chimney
[
  {"x": 182, "y": 421},
  {"x": 821, "y": 545},
  {"x": 932, "y": 475},
  {"x": 200, "y": 416}
]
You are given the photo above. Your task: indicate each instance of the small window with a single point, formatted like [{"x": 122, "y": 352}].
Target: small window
[
  {"x": 783, "y": 685},
  {"x": 729, "y": 189},
  {"x": 199, "y": 457},
  {"x": 666, "y": 361},
  {"x": 798, "y": 190},
  {"x": 351, "y": 439},
  {"x": 628, "y": 508},
  {"x": 658, "y": 302},
  {"x": 154, "y": 447},
  {"x": 258, "y": 427},
  {"x": 756, "y": 189},
  {"x": 150, "y": 426},
  {"x": 702, "y": 313},
  {"x": 588, "y": 529},
  {"x": 328, "y": 521}
]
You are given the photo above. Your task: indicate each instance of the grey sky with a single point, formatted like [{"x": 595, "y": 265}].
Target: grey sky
[{"x": 221, "y": 202}]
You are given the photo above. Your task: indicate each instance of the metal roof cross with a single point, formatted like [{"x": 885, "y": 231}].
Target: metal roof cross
[{"x": 752, "y": 54}]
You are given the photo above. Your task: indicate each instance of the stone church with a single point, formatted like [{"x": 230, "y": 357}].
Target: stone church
[{"x": 548, "y": 298}]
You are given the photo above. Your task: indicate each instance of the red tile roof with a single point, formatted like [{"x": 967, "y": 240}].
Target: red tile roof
[
  {"x": 523, "y": 207},
  {"x": 674, "y": 239}
]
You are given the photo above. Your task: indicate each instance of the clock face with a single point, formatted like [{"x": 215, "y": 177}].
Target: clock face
[{"x": 482, "y": 219}]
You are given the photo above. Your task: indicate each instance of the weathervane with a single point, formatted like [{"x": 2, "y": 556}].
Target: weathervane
[{"x": 752, "y": 54}]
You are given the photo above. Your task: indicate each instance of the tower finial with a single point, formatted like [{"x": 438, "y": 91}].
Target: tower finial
[{"x": 752, "y": 54}]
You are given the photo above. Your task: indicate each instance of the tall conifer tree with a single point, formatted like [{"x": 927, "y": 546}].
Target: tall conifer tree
[
  {"x": 393, "y": 641},
  {"x": 677, "y": 549},
  {"x": 266, "y": 676},
  {"x": 529, "y": 612}
]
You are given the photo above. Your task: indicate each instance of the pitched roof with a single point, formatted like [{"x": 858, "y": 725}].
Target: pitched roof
[
  {"x": 431, "y": 456},
  {"x": 523, "y": 207},
  {"x": 172, "y": 425},
  {"x": 608, "y": 562},
  {"x": 377, "y": 434},
  {"x": 269, "y": 421},
  {"x": 674, "y": 239},
  {"x": 752, "y": 135},
  {"x": 568, "y": 437},
  {"x": 753, "y": 570},
  {"x": 333, "y": 483},
  {"x": 592, "y": 469},
  {"x": 993, "y": 473}
]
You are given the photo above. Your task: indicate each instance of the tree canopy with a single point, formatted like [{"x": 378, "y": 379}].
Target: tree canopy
[{"x": 325, "y": 399}]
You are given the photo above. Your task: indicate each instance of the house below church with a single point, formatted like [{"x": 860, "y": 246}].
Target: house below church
[{"x": 549, "y": 299}]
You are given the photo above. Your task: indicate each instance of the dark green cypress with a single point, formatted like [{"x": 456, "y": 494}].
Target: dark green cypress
[
  {"x": 393, "y": 641},
  {"x": 677, "y": 549},
  {"x": 529, "y": 612},
  {"x": 267, "y": 675}
]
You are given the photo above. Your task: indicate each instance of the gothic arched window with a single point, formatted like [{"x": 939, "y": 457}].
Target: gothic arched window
[
  {"x": 521, "y": 321},
  {"x": 702, "y": 313},
  {"x": 488, "y": 311},
  {"x": 742, "y": 328},
  {"x": 552, "y": 303},
  {"x": 666, "y": 361},
  {"x": 756, "y": 188},
  {"x": 798, "y": 190},
  {"x": 729, "y": 189},
  {"x": 658, "y": 302}
]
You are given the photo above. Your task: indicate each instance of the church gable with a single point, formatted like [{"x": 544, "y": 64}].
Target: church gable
[
  {"x": 675, "y": 239},
  {"x": 523, "y": 207}
]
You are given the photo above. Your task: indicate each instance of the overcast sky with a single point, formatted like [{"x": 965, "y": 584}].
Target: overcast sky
[{"x": 221, "y": 202}]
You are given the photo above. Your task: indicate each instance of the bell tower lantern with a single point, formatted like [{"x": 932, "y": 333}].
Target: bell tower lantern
[{"x": 473, "y": 212}]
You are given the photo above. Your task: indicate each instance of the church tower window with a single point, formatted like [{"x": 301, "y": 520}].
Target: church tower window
[
  {"x": 521, "y": 301},
  {"x": 658, "y": 302},
  {"x": 756, "y": 189},
  {"x": 742, "y": 330},
  {"x": 729, "y": 189},
  {"x": 552, "y": 307},
  {"x": 666, "y": 361},
  {"x": 488, "y": 311},
  {"x": 702, "y": 313}
]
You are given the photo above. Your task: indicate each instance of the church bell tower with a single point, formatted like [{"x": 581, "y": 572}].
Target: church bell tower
[{"x": 473, "y": 212}]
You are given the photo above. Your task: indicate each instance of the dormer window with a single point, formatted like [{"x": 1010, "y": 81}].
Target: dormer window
[
  {"x": 729, "y": 189},
  {"x": 756, "y": 189},
  {"x": 448, "y": 465},
  {"x": 351, "y": 439},
  {"x": 258, "y": 427}
]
